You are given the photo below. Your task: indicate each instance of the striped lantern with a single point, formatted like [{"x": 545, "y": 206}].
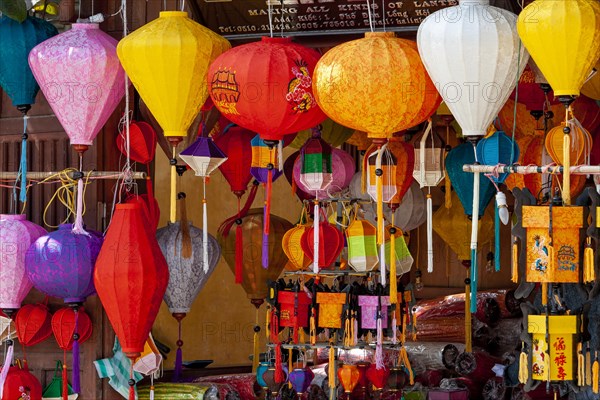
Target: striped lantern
[
  {"x": 394, "y": 238},
  {"x": 361, "y": 237},
  {"x": 330, "y": 239},
  {"x": 498, "y": 149}
]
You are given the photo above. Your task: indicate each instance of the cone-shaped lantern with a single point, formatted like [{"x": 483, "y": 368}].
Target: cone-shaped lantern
[
  {"x": 472, "y": 53},
  {"x": 555, "y": 32},
  {"x": 235, "y": 142}
]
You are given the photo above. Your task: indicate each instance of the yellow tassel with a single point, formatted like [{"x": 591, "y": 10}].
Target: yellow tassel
[
  {"x": 290, "y": 365},
  {"x": 256, "y": 353},
  {"x": 468, "y": 345},
  {"x": 515, "y": 263},
  {"x": 544, "y": 294},
  {"x": 448, "y": 194},
  {"x": 523, "y": 368},
  {"x": 302, "y": 336},
  {"x": 379, "y": 183},
  {"x": 392, "y": 261},
  {"x": 566, "y": 193},
  {"x": 414, "y": 328},
  {"x": 313, "y": 329},
  {"x": 331, "y": 366},
  {"x": 404, "y": 360},
  {"x": 589, "y": 274},
  {"x": 580, "y": 366},
  {"x": 595, "y": 375},
  {"x": 347, "y": 333},
  {"x": 173, "y": 210},
  {"x": 588, "y": 368}
]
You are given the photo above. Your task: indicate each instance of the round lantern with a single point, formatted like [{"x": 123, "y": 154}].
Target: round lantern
[
  {"x": 16, "y": 235},
  {"x": 300, "y": 379},
  {"x": 471, "y": 52},
  {"x": 235, "y": 142},
  {"x": 530, "y": 93},
  {"x": 82, "y": 79},
  {"x": 332, "y": 132},
  {"x": 591, "y": 88},
  {"x": 131, "y": 278},
  {"x": 266, "y": 87},
  {"x": 349, "y": 376},
  {"x": 61, "y": 264},
  {"x": 329, "y": 245},
  {"x": 378, "y": 376},
  {"x": 376, "y": 84},
  {"x": 342, "y": 166},
  {"x": 581, "y": 144},
  {"x": 292, "y": 247},
  {"x": 289, "y": 168},
  {"x": 255, "y": 277},
  {"x": 555, "y": 31},
  {"x": 33, "y": 324},
  {"x": 16, "y": 78},
  {"x": 171, "y": 45}
]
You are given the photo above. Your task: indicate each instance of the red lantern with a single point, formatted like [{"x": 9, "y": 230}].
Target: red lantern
[
  {"x": 235, "y": 142},
  {"x": 32, "y": 323},
  {"x": 131, "y": 278},
  {"x": 586, "y": 111},
  {"x": 21, "y": 384},
  {"x": 531, "y": 94},
  {"x": 266, "y": 87},
  {"x": 142, "y": 142},
  {"x": 331, "y": 243},
  {"x": 378, "y": 377}
]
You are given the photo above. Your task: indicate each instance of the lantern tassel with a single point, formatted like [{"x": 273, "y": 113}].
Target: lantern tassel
[
  {"x": 265, "y": 242},
  {"x": 429, "y": 233},
  {"x": 279, "y": 376},
  {"x": 566, "y": 189},
  {"x": 173, "y": 208},
  {"x": 204, "y": 235},
  {"x": 382, "y": 267},
  {"x": 497, "y": 238},
  {"x": 544, "y": 294},
  {"x": 65, "y": 383},
  {"x": 404, "y": 360},
  {"x": 393, "y": 277},
  {"x": 316, "y": 239},
  {"x": 515, "y": 262},
  {"x": 23, "y": 163},
  {"x": 152, "y": 387},
  {"x": 468, "y": 345},
  {"x": 379, "y": 345},
  {"x": 178, "y": 358},
  {"x": 588, "y": 262},
  {"x": 239, "y": 254},
  {"x": 595, "y": 369},
  {"x": 588, "y": 366},
  {"x": 331, "y": 366},
  {"x": 448, "y": 194},
  {"x": 580, "y": 365},
  {"x": 75, "y": 371},
  {"x": 523, "y": 366},
  {"x": 7, "y": 362},
  {"x": 474, "y": 231},
  {"x": 394, "y": 329},
  {"x": 78, "y": 225},
  {"x": 313, "y": 328},
  {"x": 131, "y": 380},
  {"x": 354, "y": 329},
  {"x": 379, "y": 187}
]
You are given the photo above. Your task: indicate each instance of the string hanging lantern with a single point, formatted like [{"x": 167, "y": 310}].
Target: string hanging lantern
[
  {"x": 16, "y": 78},
  {"x": 361, "y": 237},
  {"x": 235, "y": 142},
  {"x": 171, "y": 45}
]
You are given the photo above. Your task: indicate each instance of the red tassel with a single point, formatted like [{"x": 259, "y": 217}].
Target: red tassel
[
  {"x": 279, "y": 376},
  {"x": 131, "y": 393},
  {"x": 131, "y": 387},
  {"x": 296, "y": 329},
  {"x": 274, "y": 327},
  {"x": 239, "y": 255},
  {"x": 269, "y": 188},
  {"x": 65, "y": 383}
]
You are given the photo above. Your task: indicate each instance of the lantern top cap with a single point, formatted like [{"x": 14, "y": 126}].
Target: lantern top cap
[
  {"x": 127, "y": 206},
  {"x": 172, "y": 14},
  {"x": 90, "y": 26},
  {"x": 473, "y": 2},
  {"x": 369, "y": 35},
  {"x": 12, "y": 217},
  {"x": 282, "y": 40},
  {"x": 65, "y": 226}
]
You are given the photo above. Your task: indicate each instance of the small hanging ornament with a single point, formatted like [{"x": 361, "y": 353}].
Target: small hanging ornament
[{"x": 323, "y": 247}]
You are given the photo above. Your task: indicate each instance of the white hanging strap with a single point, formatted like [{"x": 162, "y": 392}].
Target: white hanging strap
[
  {"x": 382, "y": 264},
  {"x": 429, "y": 233},
  {"x": 422, "y": 161},
  {"x": 316, "y": 238},
  {"x": 280, "y": 152},
  {"x": 204, "y": 229},
  {"x": 475, "y": 214}
]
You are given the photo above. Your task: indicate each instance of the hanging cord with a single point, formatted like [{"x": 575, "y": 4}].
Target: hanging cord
[
  {"x": 22, "y": 167},
  {"x": 383, "y": 13},
  {"x": 270, "y": 11},
  {"x": 370, "y": 15}
]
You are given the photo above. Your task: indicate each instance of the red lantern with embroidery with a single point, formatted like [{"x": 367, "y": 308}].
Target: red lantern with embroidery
[
  {"x": 21, "y": 385},
  {"x": 131, "y": 278}
]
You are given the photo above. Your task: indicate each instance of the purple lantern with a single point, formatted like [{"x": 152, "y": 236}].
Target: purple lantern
[
  {"x": 301, "y": 378},
  {"x": 61, "y": 264},
  {"x": 369, "y": 305},
  {"x": 342, "y": 171},
  {"x": 16, "y": 235}
]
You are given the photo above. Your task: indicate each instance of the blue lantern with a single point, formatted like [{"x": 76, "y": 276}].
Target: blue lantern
[
  {"x": 495, "y": 150},
  {"x": 17, "y": 41}
]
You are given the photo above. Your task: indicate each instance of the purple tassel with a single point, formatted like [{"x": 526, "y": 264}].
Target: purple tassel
[
  {"x": 75, "y": 382},
  {"x": 178, "y": 365},
  {"x": 265, "y": 251}
]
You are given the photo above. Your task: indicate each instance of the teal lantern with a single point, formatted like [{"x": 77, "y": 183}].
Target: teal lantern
[
  {"x": 498, "y": 149},
  {"x": 470, "y": 192},
  {"x": 17, "y": 41}
]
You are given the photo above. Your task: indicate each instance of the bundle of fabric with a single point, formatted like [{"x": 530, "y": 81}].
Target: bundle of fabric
[{"x": 231, "y": 386}]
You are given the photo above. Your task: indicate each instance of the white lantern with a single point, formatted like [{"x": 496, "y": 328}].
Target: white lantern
[{"x": 473, "y": 55}]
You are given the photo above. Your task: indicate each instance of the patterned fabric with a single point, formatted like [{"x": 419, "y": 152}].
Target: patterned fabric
[
  {"x": 116, "y": 369},
  {"x": 88, "y": 56},
  {"x": 330, "y": 309}
]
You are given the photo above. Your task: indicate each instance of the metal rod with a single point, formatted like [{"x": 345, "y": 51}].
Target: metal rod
[
  {"x": 531, "y": 169},
  {"x": 93, "y": 175}
]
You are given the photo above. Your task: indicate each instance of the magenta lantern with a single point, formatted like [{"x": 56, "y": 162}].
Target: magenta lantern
[
  {"x": 342, "y": 171},
  {"x": 16, "y": 235},
  {"x": 82, "y": 79}
]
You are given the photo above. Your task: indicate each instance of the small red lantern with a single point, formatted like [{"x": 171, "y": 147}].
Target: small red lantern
[
  {"x": 32, "y": 323},
  {"x": 331, "y": 243},
  {"x": 235, "y": 142},
  {"x": 378, "y": 377}
]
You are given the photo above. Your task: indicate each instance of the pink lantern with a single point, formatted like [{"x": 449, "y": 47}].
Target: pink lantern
[
  {"x": 16, "y": 235},
  {"x": 82, "y": 79},
  {"x": 342, "y": 171}
]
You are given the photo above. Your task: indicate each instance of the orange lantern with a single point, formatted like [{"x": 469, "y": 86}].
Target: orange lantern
[
  {"x": 349, "y": 376},
  {"x": 581, "y": 144}
]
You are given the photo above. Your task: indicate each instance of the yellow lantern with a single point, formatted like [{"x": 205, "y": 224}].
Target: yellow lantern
[
  {"x": 376, "y": 84},
  {"x": 167, "y": 61},
  {"x": 563, "y": 38},
  {"x": 592, "y": 87},
  {"x": 559, "y": 351}
]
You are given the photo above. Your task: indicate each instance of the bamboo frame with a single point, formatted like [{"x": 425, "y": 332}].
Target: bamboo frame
[
  {"x": 92, "y": 175},
  {"x": 531, "y": 169}
]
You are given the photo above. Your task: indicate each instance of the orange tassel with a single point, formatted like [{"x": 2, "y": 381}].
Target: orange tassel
[
  {"x": 65, "y": 383},
  {"x": 515, "y": 262}
]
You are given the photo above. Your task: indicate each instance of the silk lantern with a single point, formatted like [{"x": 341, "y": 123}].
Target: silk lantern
[
  {"x": 361, "y": 237},
  {"x": 342, "y": 171},
  {"x": 474, "y": 194},
  {"x": 186, "y": 252},
  {"x": 349, "y": 376},
  {"x": 531, "y": 94},
  {"x": 292, "y": 247},
  {"x": 171, "y": 45},
  {"x": 71, "y": 327},
  {"x": 327, "y": 248},
  {"x": 498, "y": 149},
  {"x": 581, "y": 144},
  {"x": 555, "y": 31},
  {"x": 131, "y": 277},
  {"x": 406, "y": 162},
  {"x": 472, "y": 52},
  {"x": 300, "y": 379},
  {"x": 61, "y": 263},
  {"x": 87, "y": 56},
  {"x": 16, "y": 235},
  {"x": 235, "y": 142},
  {"x": 316, "y": 165},
  {"x": 591, "y": 88},
  {"x": 332, "y": 132},
  {"x": 16, "y": 78}
]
